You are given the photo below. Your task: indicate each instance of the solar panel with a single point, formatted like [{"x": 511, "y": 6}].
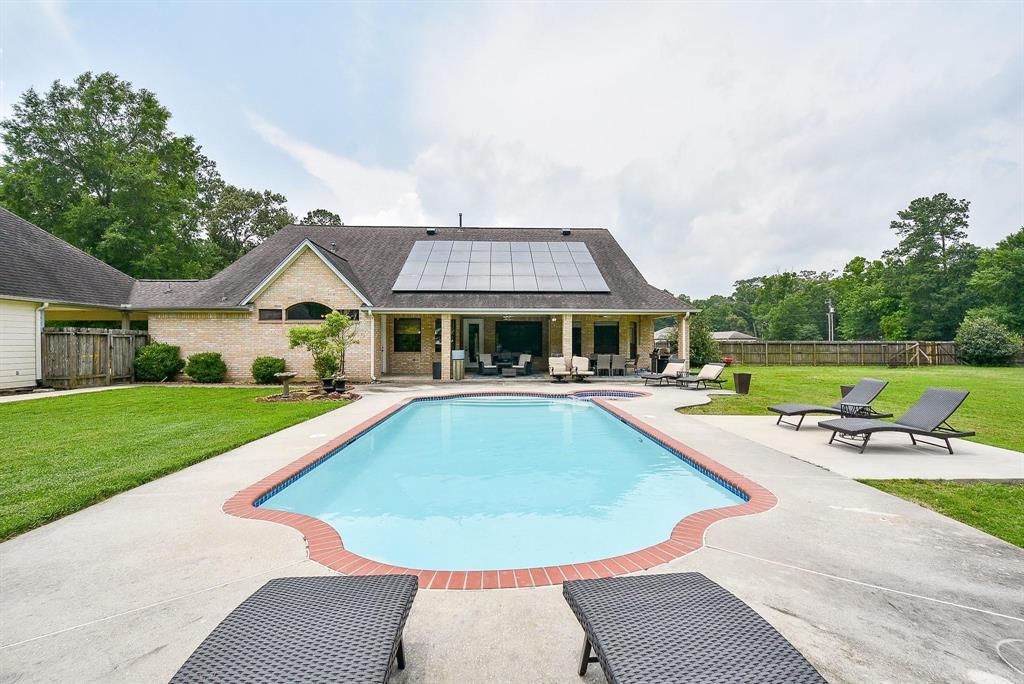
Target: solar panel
[{"x": 497, "y": 266}]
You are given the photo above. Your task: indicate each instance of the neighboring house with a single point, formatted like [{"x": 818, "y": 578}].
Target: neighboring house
[
  {"x": 417, "y": 293},
  {"x": 731, "y": 336},
  {"x": 44, "y": 278}
]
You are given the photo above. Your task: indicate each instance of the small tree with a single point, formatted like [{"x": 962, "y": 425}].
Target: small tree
[
  {"x": 984, "y": 341},
  {"x": 703, "y": 347},
  {"x": 326, "y": 342}
]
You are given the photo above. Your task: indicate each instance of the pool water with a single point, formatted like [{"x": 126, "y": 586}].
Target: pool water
[{"x": 490, "y": 483}]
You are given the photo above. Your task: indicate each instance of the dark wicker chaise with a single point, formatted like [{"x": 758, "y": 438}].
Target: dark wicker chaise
[
  {"x": 305, "y": 629},
  {"x": 679, "y": 627},
  {"x": 858, "y": 403},
  {"x": 926, "y": 418}
]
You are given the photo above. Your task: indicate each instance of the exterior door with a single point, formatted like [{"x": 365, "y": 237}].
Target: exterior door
[{"x": 473, "y": 338}]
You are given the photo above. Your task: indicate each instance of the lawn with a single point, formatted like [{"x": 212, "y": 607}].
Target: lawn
[
  {"x": 993, "y": 410},
  {"x": 62, "y": 454},
  {"x": 996, "y": 508}
]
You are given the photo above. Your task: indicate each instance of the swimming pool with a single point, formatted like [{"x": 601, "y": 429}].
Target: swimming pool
[{"x": 492, "y": 482}]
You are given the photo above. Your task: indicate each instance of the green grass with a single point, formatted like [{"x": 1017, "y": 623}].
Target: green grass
[
  {"x": 994, "y": 410},
  {"x": 996, "y": 508},
  {"x": 62, "y": 454}
]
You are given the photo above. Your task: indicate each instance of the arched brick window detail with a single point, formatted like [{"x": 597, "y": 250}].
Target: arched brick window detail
[{"x": 307, "y": 311}]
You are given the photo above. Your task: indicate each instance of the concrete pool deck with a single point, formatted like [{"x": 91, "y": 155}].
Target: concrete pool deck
[{"x": 867, "y": 586}]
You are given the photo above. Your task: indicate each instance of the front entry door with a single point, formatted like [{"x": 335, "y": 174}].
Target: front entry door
[{"x": 473, "y": 338}]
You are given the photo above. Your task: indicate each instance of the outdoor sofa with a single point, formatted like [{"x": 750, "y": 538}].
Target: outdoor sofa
[
  {"x": 679, "y": 627},
  {"x": 673, "y": 370},
  {"x": 710, "y": 372},
  {"x": 301, "y": 629},
  {"x": 926, "y": 418},
  {"x": 857, "y": 403}
]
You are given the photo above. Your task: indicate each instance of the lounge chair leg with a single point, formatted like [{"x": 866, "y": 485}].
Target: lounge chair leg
[
  {"x": 865, "y": 444},
  {"x": 830, "y": 439},
  {"x": 912, "y": 440},
  {"x": 801, "y": 421},
  {"x": 949, "y": 446},
  {"x": 400, "y": 656},
  {"x": 779, "y": 420},
  {"x": 587, "y": 658}
]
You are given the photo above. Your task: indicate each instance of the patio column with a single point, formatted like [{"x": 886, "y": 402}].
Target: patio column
[
  {"x": 567, "y": 336},
  {"x": 683, "y": 341},
  {"x": 126, "y": 320},
  {"x": 446, "y": 347}
]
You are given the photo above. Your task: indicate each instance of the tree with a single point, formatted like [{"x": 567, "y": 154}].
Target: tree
[
  {"x": 95, "y": 163},
  {"x": 326, "y": 342},
  {"x": 321, "y": 217},
  {"x": 703, "y": 347},
  {"x": 999, "y": 280},
  {"x": 239, "y": 219}
]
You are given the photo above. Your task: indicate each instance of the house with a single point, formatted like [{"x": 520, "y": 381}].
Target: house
[
  {"x": 417, "y": 293},
  {"x": 731, "y": 336},
  {"x": 44, "y": 278}
]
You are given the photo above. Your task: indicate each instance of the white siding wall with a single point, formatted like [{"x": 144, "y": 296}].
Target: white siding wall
[{"x": 19, "y": 343}]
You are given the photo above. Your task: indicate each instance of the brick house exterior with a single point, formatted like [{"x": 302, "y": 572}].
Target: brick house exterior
[{"x": 245, "y": 311}]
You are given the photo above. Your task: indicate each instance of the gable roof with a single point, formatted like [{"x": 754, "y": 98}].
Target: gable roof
[
  {"x": 40, "y": 266},
  {"x": 369, "y": 258},
  {"x": 731, "y": 335},
  {"x": 338, "y": 264}
]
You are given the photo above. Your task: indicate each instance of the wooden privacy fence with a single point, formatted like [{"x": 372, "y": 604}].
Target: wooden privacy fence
[
  {"x": 869, "y": 353},
  {"x": 89, "y": 357}
]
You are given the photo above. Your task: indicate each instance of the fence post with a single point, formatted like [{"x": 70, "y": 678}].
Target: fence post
[
  {"x": 72, "y": 360},
  {"x": 110, "y": 356}
]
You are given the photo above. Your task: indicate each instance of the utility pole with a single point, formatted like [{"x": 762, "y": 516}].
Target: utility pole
[{"x": 831, "y": 321}]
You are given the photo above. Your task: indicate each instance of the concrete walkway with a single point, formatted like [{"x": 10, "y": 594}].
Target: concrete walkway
[{"x": 869, "y": 587}]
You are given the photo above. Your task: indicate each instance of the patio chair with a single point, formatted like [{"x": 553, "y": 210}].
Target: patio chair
[
  {"x": 581, "y": 368},
  {"x": 557, "y": 368},
  {"x": 856, "y": 403},
  {"x": 710, "y": 372},
  {"x": 604, "y": 364},
  {"x": 926, "y": 418},
  {"x": 618, "y": 364},
  {"x": 523, "y": 366},
  {"x": 487, "y": 366},
  {"x": 679, "y": 627},
  {"x": 672, "y": 371},
  {"x": 297, "y": 629}
]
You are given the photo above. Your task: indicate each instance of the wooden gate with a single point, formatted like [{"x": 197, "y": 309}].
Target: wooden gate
[{"x": 89, "y": 357}]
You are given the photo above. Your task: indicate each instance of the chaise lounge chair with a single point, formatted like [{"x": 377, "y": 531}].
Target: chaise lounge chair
[
  {"x": 557, "y": 369},
  {"x": 926, "y": 418},
  {"x": 581, "y": 368},
  {"x": 679, "y": 627},
  {"x": 523, "y": 366},
  {"x": 487, "y": 366},
  {"x": 710, "y": 372},
  {"x": 857, "y": 403},
  {"x": 672, "y": 371},
  {"x": 301, "y": 629}
]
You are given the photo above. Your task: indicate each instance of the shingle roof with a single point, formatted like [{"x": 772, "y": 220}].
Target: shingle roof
[
  {"x": 372, "y": 256},
  {"x": 38, "y": 265}
]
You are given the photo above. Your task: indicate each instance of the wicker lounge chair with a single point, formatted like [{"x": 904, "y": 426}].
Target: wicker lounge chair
[
  {"x": 857, "y": 403},
  {"x": 557, "y": 369},
  {"x": 523, "y": 365},
  {"x": 487, "y": 366},
  {"x": 604, "y": 364},
  {"x": 581, "y": 368},
  {"x": 710, "y": 372},
  {"x": 618, "y": 364},
  {"x": 926, "y": 418},
  {"x": 679, "y": 627},
  {"x": 672, "y": 371},
  {"x": 300, "y": 629}
]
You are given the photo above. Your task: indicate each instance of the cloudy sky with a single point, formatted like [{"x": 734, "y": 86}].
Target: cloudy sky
[{"x": 717, "y": 141}]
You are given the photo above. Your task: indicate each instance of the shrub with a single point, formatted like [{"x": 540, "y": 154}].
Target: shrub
[
  {"x": 984, "y": 341},
  {"x": 264, "y": 367},
  {"x": 703, "y": 347},
  {"x": 157, "y": 362},
  {"x": 325, "y": 366},
  {"x": 206, "y": 367}
]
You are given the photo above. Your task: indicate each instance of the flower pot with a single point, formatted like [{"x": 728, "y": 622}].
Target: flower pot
[
  {"x": 339, "y": 384},
  {"x": 328, "y": 384}
]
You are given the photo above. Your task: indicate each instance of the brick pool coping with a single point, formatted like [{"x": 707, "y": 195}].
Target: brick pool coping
[{"x": 325, "y": 545}]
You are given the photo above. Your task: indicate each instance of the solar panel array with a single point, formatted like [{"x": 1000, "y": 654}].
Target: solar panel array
[{"x": 487, "y": 266}]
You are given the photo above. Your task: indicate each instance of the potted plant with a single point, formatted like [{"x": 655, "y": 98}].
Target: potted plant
[{"x": 327, "y": 344}]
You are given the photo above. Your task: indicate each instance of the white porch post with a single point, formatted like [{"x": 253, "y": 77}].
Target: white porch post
[
  {"x": 373, "y": 347},
  {"x": 446, "y": 347}
]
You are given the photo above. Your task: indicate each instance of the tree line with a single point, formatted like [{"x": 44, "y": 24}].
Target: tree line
[
  {"x": 921, "y": 289},
  {"x": 96, "y": 163}
]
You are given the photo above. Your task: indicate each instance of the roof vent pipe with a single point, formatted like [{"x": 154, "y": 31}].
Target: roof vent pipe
[
  {"x": 566, "y": 231},
  {"x": 460, "y": 219},
  {"x": 431, "y": 231},
  {"x": 334, "y": 246}
]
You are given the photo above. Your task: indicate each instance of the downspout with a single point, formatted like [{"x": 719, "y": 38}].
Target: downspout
[
  {"x": 40, "y": 323},
  {"x": 686, "y": 340},
  {"x": 373, "y": 346}
]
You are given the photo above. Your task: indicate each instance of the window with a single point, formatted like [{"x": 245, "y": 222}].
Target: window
[
  {"x": 307, "y": 311},
  {"x": 518, "y": 337},
  {"x": 271, "y": 314},
  {"x": 437, "y": 334},
  {"x": 632, "y": 339},
  {"x": 407, "y": 335},
  {"x": 606, "y": 337},
  {"x": 577, "y": 339}
]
